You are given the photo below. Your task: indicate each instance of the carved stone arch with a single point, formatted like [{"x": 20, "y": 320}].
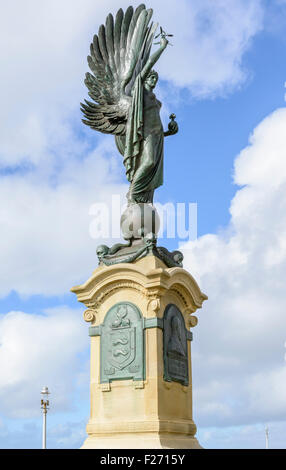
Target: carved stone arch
[
  {"x": 117, "y": 306},
  {"x": 111, "y": 287}
]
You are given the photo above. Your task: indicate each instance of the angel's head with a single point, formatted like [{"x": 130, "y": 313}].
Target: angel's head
[{"x": 151, "y": 79}]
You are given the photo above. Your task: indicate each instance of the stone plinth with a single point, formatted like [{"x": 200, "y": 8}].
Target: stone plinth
[{"x": 140, "y": 317}]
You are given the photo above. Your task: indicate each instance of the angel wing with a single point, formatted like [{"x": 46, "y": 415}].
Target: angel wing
[{"x": 117, "y": 55}]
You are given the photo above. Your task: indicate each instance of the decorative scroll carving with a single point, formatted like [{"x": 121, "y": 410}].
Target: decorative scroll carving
[
  {"x": 193, "y": 321},
  {"x": 89, "y": 315},
  {"x": 110, "y": 288},
  {"x": 154, "y": 305}
]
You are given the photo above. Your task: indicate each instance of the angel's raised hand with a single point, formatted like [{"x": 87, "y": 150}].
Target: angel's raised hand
[{"x": 163, "y": 41}]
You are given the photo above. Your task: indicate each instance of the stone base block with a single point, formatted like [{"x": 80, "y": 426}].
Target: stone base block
[
  {"x": 141, "y": 441},
  {"x": 140, "y": 317}
]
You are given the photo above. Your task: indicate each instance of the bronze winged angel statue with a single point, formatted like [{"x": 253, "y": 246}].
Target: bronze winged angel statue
[{"x": 121, "y": 86}]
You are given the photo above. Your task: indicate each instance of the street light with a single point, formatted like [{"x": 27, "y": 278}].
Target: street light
[
  {"x": 45, "y": 406},
  {"x": 266, "y": 438}
]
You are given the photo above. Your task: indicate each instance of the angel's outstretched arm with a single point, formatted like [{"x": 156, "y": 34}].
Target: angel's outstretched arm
[{"x": 154, "y": 58}]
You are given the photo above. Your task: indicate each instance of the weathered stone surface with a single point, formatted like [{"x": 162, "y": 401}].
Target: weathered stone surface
[{"x": 138, "y": 411}]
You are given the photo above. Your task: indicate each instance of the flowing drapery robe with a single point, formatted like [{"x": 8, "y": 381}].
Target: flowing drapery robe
[{"x": 143, "y": 144}]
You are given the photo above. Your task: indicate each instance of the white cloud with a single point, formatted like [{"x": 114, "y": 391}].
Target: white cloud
[
  {"x": 243, "y": 437},
  {"x": 44, "y": 210},
  {"x": 45, "y": 241},
  {"x": 43, "y": 55},
  {"x": 210, "y": 39},
  {"x": 239, "y": 367},
  {"x": 28, "y": 434},
  {"x": 70, "y": 435},
  {"x": 260, "y": 164},
  {"x": 39, "y": 350}
]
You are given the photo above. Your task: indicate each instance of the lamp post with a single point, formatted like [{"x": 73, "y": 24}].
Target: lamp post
[
  {"x": 266, "y": 438},
  {"x": 45, "y": 406}
]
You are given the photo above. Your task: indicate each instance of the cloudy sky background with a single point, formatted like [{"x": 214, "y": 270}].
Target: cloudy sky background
[{"x": 224, "y": 78}]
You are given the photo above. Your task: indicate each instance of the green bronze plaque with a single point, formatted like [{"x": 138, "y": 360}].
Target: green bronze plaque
[
  {"x": 122, "y": 344},
  {"x": 175, "y": 346}
]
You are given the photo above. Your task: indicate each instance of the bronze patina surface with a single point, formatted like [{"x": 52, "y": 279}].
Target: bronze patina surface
[{"x": 121, "y": 85}]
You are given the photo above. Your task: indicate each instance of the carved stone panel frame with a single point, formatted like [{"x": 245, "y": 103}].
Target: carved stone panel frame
[
  {"x": 175, "y": 346},
  {"x": 122, "y": 344}
]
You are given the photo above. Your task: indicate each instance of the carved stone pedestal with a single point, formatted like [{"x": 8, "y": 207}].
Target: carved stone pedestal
[{"x": 140, "y": 316}]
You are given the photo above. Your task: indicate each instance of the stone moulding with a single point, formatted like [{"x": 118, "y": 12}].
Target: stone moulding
[
  {"x": 153, "y": 322},
  {"x": 151, "y": 284},
  {"x": 178, "y": 427}
]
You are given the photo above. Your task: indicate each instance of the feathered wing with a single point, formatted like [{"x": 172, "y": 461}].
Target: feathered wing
[{"x": 117, "y": 55}]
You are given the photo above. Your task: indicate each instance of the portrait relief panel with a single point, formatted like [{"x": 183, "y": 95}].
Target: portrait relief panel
[{"x": 175, "y": 346}]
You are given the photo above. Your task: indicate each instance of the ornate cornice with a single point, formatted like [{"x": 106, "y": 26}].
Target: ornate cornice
[{"x": 148, "y": 277}]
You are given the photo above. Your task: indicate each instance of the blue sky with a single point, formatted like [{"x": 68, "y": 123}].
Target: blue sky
[{"x": 224, "y": 79}]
